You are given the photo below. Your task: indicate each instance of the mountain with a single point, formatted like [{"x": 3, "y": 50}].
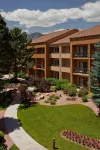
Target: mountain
[{"x": 35, "y": 35}]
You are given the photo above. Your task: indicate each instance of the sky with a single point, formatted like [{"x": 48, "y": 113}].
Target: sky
[{"x": 50, "y": 15}]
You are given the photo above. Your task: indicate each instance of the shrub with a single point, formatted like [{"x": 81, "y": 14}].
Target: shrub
[
  {"x": 57, "y": 97},
  {"x": 3, "y": 146},
  {"x": 72, "y": 91},
  {"x": 58, "y": 87},
  {"x": 1, "y": 136},
  {"x": 46, "y": 101},
  {"x": 82, "y": 92},
  {"x": 84, "y": 98},
  {"x": 53, "y": 80},
  {"x": 61, "y": 83},
  {"x": 53, "y": 88},
  {"x": 52, "y": 102},
  {"x": 20, "y": 75},
  {"x": 90, "y": 96},
  {"x": 65, "y": 87},
  {"x": 51, "y": 97}
]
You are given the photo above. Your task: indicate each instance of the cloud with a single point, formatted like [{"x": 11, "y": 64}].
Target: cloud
[
  {"x": 53, "y": 31},
  {"x": 26, "y": 30},
  {"x": 90, "y": 12}
]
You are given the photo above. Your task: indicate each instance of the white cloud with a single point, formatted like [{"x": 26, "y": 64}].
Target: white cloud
[
  {"x": 53, "y": 31},
  {"x": 26, "y": 30},
  {"x": 89, "y": 12}
]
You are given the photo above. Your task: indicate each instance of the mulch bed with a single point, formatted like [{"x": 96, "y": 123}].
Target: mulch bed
[{"x": 81, "y": 139}]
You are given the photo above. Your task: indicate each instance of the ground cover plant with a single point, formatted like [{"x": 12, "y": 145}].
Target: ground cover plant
[
  {"x": 52, "y": 99},
  {"x": 44, "y": 123}
]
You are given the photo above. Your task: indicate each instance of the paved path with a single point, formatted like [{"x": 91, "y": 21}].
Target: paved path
[{"x": 21, "y": 139}]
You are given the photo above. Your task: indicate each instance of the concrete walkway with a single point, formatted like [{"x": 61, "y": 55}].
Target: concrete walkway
[{"x": 18, "y": 135}]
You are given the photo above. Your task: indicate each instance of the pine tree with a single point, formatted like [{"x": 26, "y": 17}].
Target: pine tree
[
  {"x": 5, "y": 49},
  {"x": 95, "y": 75},
  {"x": 21, "y": 54}
]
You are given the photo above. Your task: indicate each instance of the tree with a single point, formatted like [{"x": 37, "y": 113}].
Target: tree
[
  {"x": 95, "y": 75},
  {"x": 5, "y": 49},
  {"x": 21, "y": 54}
]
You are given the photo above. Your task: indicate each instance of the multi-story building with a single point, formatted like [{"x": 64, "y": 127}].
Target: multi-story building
[
  {"x": 65, "y": 54},
  {"x": 43, "y": 57}
]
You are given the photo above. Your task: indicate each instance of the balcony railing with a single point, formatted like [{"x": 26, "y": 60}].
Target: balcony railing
[
  {"x": 81, "y": 70},
  {"x": 39, "y": 66},
  {"x": 80, "y": 54}
]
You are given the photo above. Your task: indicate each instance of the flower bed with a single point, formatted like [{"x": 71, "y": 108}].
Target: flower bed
[{"x": 81, "y": 139}]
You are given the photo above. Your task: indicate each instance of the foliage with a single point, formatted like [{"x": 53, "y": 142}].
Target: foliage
[
  {"x": 52, "y": 102},
  {"x": 72, "y": 91},
  {"x": 5, "y": 99},
  {"x": 90, "y": 96},
  {"x": 95, "y": 72},
  {"x": 60, "y": 82},
  {"x": 41, "y": 84},
  {"x": 66, "y": 87},
  {"x": 5, "y": 49},
  {"x": 1, "y": 136},
  {"x": 40, "y": 119},
  {"x": 3, "y": 146},
  {"x": 84, "y": 98},
  {"x": 20, "y": 75},
  {"x": 21, "y": 54},
  {"x": 82, "y": 92},
  {"x": 52, "y": 80},
  {"x": 52, "y": 88},
  {"x": 52, "y": 99}
]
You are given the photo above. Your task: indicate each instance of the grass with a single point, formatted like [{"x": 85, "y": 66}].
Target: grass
[
  {"x": 14, "y": 147},
  {"x": 44, "y": 123}
]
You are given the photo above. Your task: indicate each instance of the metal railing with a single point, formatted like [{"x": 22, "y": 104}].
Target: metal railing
[
  {"x": 39, "y": 66},
  {"x": 81, "y": 70},
  {"x": 80, "y": 54}
]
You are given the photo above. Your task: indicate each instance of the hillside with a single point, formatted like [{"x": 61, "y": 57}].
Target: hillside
[{"x": 35, "y": 35}]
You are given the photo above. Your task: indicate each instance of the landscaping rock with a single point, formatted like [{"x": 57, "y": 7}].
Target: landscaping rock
[
  {"x": 47, "y": 94},
  {"x": 41, "y": 97},
  {"x": 31, "y": 89}
]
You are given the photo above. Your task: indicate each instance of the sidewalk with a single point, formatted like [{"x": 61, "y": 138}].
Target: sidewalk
[{"x": 21, "y": 139}]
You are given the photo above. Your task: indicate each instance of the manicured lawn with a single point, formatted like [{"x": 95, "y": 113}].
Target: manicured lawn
[
  {"x": 14, "y": 148},
  {"x": 44, "y": 123}
]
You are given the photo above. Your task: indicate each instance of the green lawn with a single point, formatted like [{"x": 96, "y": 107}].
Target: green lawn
[
  {"x": 44, "y": 123},
  {"x": 14, "y": 148}
]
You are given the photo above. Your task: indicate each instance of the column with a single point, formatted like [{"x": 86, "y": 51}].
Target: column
[
  {"x": 89, "y": 62},
  {"x": 71, "y": 63},
  {"x": 60, "y": 61}
]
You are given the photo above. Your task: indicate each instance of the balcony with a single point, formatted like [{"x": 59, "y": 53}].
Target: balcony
[
  {"x": 65, "y": 69},
  {"x": 39, "y": 67},
  {"x": 65, "y": 55},
  {"x": 81, "y": 70},
  {"x": 54, "y": 55},
  {"x": 80, "y": 55},
  {"x": 54, "y": 68},
  {"x": 38, "y": 56}
]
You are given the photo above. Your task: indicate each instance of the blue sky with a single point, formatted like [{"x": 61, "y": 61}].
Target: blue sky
[{"x": 50, "y": 15}]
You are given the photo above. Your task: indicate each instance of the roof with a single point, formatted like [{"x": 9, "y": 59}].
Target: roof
[
  {"x": 49, "y": 36},
  {"x": 65, "y": 40},
  {"x": 89, "y": 32}
]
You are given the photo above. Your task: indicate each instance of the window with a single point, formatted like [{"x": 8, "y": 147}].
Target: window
[
  {"x": 83, "y": 49},
  {"x": 56, "y": 62},
  {"x": 56, "y": 50},
  {"x": 56, "y": 75},
  {"x": 83, "y": 82}
]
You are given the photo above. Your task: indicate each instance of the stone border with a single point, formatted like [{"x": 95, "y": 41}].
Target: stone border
[{"x": 82, "y": 140}]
